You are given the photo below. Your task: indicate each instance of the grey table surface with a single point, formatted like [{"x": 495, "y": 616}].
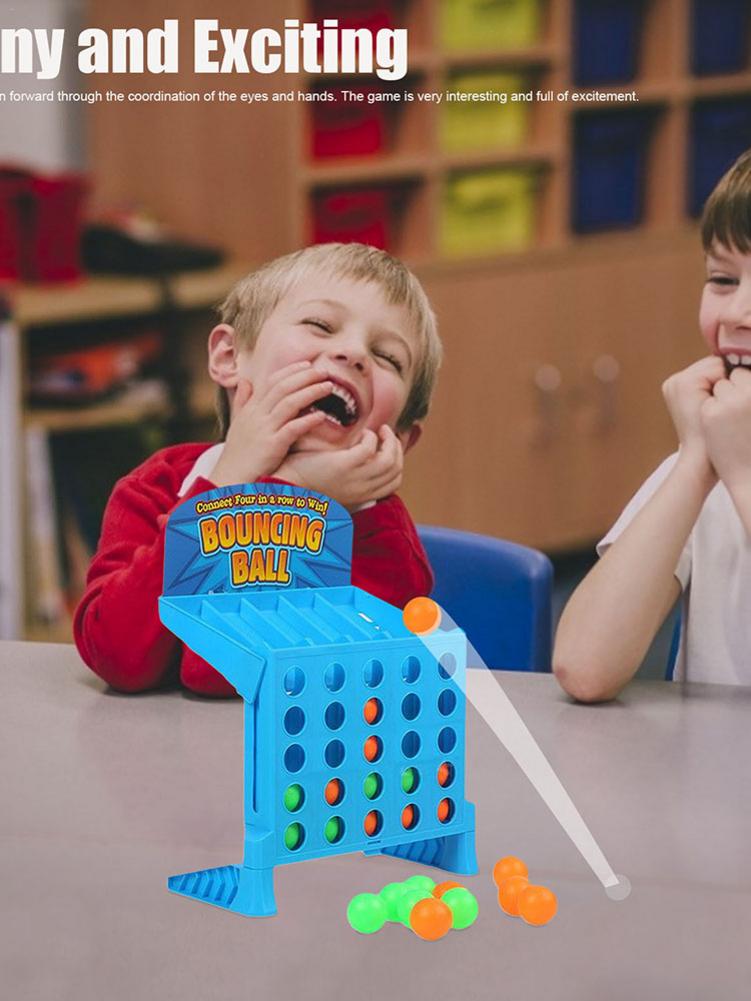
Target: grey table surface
[{"x": 103, "y": 796}]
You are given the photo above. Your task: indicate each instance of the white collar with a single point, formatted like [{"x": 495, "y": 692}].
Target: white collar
[{"x": 202, "y": 467}]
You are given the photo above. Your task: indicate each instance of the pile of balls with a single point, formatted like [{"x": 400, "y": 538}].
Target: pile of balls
[
  {"x": 518, "y": 897},
  {"x": 431, "y": 910}
]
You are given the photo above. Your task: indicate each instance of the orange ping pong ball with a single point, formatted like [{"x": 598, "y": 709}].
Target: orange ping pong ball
[
  {"x": 430, "y": 918},
  {"x": 507, "y": 866},
  {"x": 537, "y": 904},
  {"x": 421, "y": 616},
  {"x": 449, "y": 884},
  {"x": 370, "y": 711},
  {"x": 333, "y": 792},
  {"x": 508, "y": 894}
]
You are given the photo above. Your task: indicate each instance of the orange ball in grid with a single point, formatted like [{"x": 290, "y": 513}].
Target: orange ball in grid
[
  {"x": 370, "y": 711},
  {"x": 508, "y": 894},
  {"x": 537, "y": 905},
  {"x": 444, "y": 810},
  {"x": 431, "y": 919},
  {"x": 371, "y": 823},
  {"x": 370, "y": 748},
  {"x": 408, "y": 816},
  {"x": 449, "y": 884},
  {"x": 421, "y": 616},
  {"x": 507, "y": 866},
  {"x": 333, "y": 792},
  {"x": 444, "y": 773}
]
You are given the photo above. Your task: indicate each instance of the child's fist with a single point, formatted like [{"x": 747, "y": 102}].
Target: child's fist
[
  {"x": 365, "y": 472},
  {"x": 726, "y": 422},
  {"x": 685, "y": 393}
]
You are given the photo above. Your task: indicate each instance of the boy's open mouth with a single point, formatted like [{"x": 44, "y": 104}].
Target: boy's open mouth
[
  {"x": 340, "y": 406},
  {"x": 733, "y": 360}
]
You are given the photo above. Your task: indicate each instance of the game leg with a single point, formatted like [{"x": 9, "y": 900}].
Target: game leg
[{"x": 232, "y": 887}]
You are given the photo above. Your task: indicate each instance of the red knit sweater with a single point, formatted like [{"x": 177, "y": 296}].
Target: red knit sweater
[{"x": 117, "y": 627}]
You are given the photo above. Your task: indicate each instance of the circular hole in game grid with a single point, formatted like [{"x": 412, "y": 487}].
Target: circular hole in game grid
[
  {"x": 372, "y": 748},
  {"x": 445, "y": 810},
  {"x": 372, "y": 787},
  {"x": 334, "y": 753},
  {"x": 411, "y": 744},
  {"x": 294, "y": 758},
  {"x": 334, "y": 792},
  {"x": 294, "y": 720},
  {"x": 446, "y": 702},
  {"x": 410, "y": 706},
  {"x": 334, "y": 830},
  {"x": 447, "y": 665},
  {"x": 333, "y": 677},
  {"x": 447, "y": 740},
  {"x": 410, "y": 816},
  {"x": 294, "y": 797},
  {"x": 445, "y": 774},
  {"x": 411, "y": 670},
  {"x": 294, "y": 681},
  {"x": 373, "y": 823},
  {"x": 334, "y": 715},
  {"x": 373, "y": 673},
  {"x": 372, "y": 711},
  {"x": 294, "y": 837},
  {"x": 410, "y": 780}
]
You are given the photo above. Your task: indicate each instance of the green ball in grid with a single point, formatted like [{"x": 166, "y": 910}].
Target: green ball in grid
[
  {"x": 332, "y": 830},
  {"x": 293, "y": 797},
  {"x": 391, "y": 894},
  {"x": 420, "y": 883},
  {"x": 293, "y": 836},
  {"x": 407, "y": 901},
  {"x": 371, "y": 786},
  {"x": 463, "y": 906},
  {"x": 409, "y": 780}
]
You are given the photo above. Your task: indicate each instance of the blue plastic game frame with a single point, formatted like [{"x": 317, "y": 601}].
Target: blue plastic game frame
[{"x": 306, "y": 661}]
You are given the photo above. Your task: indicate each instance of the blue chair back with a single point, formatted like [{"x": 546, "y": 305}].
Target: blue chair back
[{"x": 500, "y": 593}]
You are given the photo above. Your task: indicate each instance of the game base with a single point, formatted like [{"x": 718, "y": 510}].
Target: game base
[{"x": 250, "y": 892}]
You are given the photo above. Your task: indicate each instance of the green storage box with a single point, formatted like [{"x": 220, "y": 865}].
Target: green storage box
[
  {"x": 474, "y": 125},
  {"x": 487, "y": 24},
  {"x": 486, "y": 212}
]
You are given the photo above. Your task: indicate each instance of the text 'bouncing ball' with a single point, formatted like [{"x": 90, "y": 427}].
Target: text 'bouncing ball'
[
  {"x": 431, "y": 919},
  {"x": 366, "y": 913},
  {"x": 421, "y": 616}
]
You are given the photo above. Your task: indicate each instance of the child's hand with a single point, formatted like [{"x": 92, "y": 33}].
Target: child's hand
[
  {"x": 726, "y": 420},
  {"x": 365, "y": 472},
  {"x": 264, "y": 426},
  {"x": 685, "y": 393}
]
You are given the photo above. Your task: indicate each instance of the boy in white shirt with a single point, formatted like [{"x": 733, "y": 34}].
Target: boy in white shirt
[{"x": 687, "y": 532}]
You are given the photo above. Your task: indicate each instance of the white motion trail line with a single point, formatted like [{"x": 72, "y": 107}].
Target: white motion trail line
[{"x": 495, "y": 707}]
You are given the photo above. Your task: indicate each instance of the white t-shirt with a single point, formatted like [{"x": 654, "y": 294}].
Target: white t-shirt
[{"x": 714, "y": 571}]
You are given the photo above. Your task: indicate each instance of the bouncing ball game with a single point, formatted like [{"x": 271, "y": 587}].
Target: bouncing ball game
[{"x": 354, "y": 725}]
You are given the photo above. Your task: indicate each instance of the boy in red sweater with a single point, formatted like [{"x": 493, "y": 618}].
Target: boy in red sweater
[{"x": 325, "y": 361}]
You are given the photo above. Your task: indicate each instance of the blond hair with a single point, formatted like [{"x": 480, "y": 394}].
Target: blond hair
[
  {"x": 727, "y": 214},
  {"x": 254, "y": 298}
]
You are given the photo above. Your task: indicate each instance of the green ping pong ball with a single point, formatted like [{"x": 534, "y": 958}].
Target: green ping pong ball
[
  {"x": 331, "y": 830},
  {"x": 407, "y": 901},
  {"x": 366, "y": 913},
  {"x": 293, "y": 836},
  {"x": 463, "y": 905},
  {"x": 370, "y": 786},
  {"x": 292, "y": 797},
  {"x": 391, "y": 894},
  {"x": 421, "y": 883},
  {"x": 408, "y": 780}
]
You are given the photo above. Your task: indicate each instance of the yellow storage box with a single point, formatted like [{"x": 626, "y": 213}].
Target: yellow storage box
[
  {"x": 484, "y": 124},
  {"x": 486, "y": 212},
  {"x": 487, "y": 24}
]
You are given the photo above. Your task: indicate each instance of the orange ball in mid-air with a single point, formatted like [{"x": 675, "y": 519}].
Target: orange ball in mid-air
[
  {"x": 508, "y": 894},
  {"x": 421, "y": 616},
  {"x": 537, "y": 904},
  {"x": 507, "y": 866},
  {"x": 449, "y": 884},
  {"x": 431, "y": 919}
]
